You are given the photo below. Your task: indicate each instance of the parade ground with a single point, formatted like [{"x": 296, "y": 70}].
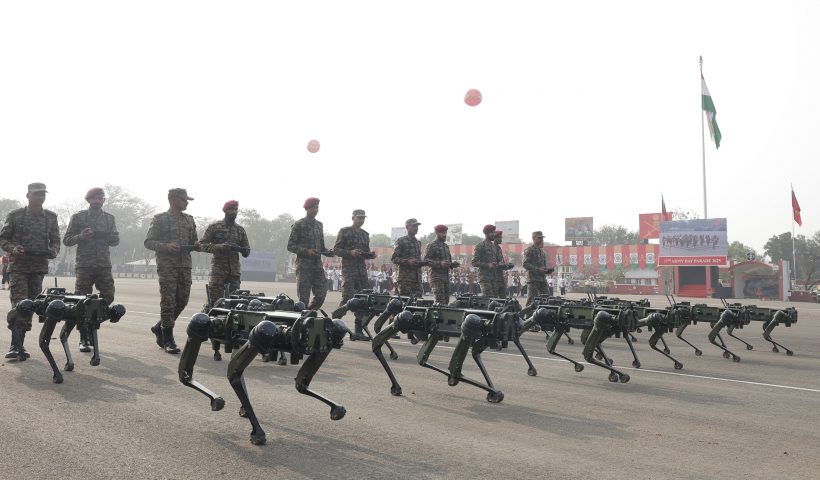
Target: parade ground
[{"x": 130, "y": 417}]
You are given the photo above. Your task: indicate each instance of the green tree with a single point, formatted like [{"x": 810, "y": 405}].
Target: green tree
[
  {"x": 6, "y": 206},
  {"x": 467, "y": 239},
  {"x": 133, "y": 216},
  {"x": 380, "y": 240},
  {"x": 614, "y": 235},
  {"x": 738, "y": 251}
]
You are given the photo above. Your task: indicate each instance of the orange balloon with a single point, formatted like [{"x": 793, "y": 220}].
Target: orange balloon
[
  {"x": 313, "y": 146},
  {"x": 472, "y": 97}
]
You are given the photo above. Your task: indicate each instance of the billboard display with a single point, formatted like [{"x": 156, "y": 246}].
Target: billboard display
[
  {"x": 578, "y": 229},
  {"x": 454, "y": 233},
  {"x": 510, "y": 229},
  {"x": 259, "y": 266},
  {"x": 693, "y": 242},
  {"x": 650, "y": 224}
]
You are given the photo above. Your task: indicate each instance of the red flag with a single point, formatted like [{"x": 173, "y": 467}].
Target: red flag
[
  {"x": 666, "y": 217},
  {"x": 796, "y": 209}
]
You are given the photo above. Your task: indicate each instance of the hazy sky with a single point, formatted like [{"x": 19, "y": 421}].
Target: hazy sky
[{"x": 589, "y": 108}]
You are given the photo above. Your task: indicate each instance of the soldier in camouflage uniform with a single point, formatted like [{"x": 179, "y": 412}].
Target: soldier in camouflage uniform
[
  {"x": 93, "y": 231},
  {"x": 172, "y": 235},
  {"x": 353, "y": 245},
  {"x": 32, "y": 237},
  {"x": 218, "y": 239},
  {"x": 486, "y": 259},
  {"x": 407, "y": 256},
  {"x": 441, "y": 262},
  {"x": 535, "y": 263},
  {"x": 307, "y": 241},
  {"x": 500, "y": 281}
]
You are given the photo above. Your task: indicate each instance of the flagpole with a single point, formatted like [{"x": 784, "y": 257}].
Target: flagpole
[
  {"x": 703, "y": 141},
  {"x": 794, "y": 253}
]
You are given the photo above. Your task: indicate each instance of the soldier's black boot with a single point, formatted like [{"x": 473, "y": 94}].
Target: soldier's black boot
[
  {"x": 12, "y": 352},
  {"x": 169, "y": 344},
  {"x": 157, "y": 330},
  {"x": 23, "y": 354},
  {"x": 359, "y": 333},
  {"x": 84, "y": 344}
]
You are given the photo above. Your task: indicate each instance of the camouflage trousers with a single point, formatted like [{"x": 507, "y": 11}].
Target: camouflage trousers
[
  {"x": 174, "y": 290},
  {"x": 500, "y": 286},
  {"x": 409, "y": 286},
  {"x": 308, "y": 279},
  {"x": 101, "y": 277},
  {"x": 218, "y": 283},
  {"x": 535, "y": 289},
  {"x": 353, "y": 280},
  {"x": 24, "y": 285},
  {"x": 441, "y": 289}
]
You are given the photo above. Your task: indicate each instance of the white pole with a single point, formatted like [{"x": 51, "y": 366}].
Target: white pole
[{"x": 703, "y": 142}]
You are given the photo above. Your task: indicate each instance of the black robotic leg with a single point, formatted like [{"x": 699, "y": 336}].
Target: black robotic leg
[
  {"x": 767, "y": 332},
  {"x": 493, "y": 397},
  {"x": 457, "y": 362},
  {"x": 305, "y": 375},
  {"x": 236, "y": 368},
  {"x": 45, "y": 338},
  {"x": 65, "y": 332},
  {"x": 552, "y": 343},
  {"x": 653, "y": 342},
  {"x": 197, "y": 333},
  {"x": 531, "y": 371},
  {"x": 730, "y": 331},
  {"x": 93, "y": 333},
  {"x": 593, "y": 342},
  {"x": 679, "y": 334},
  {"x": 379, "y": 340},
  {"x": 635, "y": 362},
  {"x": 715, "y": 334}
]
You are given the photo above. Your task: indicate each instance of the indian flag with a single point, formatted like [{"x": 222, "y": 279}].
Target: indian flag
[{"x": 709, "y": 110}]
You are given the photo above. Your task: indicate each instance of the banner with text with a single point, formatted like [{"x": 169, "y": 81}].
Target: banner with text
[
  {"x": 578, "y": 229},
  {"x": 693, "y": 242},
  {"x": 510, "y": 229}
]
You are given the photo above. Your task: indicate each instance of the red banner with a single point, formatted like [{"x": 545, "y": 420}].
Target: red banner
[
  {"x": 650, "y": 224},
  {"x": 691, "y": 261}
]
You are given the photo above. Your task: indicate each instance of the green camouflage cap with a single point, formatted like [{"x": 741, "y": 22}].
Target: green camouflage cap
[
  {"x": 411, "y": 221},
  {"x": 537, "y": 234},
  {"x": 179, "y": 192},
  {"x": 37, "y": 187},
  {"x": 359, "y": 213}
]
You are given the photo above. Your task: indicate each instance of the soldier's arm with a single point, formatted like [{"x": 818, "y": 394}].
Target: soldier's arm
[
  {"x": 478, "y": 257},
  {"x": 152, "y": 239},
  {"x": 243, "y": 242},
  {"x": 114, "y": 235},
  {"x": 7, "y": 234},
  {"x": 194, "y": 235},
  {"x": 398, "y": 253},
  {"x": 528, "y": 261},
  {"x": 53, "y": 236},
  {"x": 293, "y": 241},
  {"x": 339, "y": 247},
  {"x": 72, "y": 233},
  {"x": 207, "y": 243}
]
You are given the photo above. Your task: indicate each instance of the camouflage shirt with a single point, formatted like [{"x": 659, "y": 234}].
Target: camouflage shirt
[
  {"x": 483, "y": 255},
  {"x": 351, "y": 238},
  {"x": 217, "y": 233},
  {"x": 438, "y": 251},
  {"x": 92, "y": 252},
  {"x": 34, "y": 231},
  {"x": 166, "y": 228},
  {"x": 535, "y": 259},
  {"x": 306, "y": 234},
  {"x": 407, "y": 248}
]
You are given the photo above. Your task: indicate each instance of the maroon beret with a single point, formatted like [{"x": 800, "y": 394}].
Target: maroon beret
[
  {"x": 94, "y": 192},
  {"x": 499, "y": 233},
  {"x": 311, "y": 202},
  {"x": 488, "y": 229},
  {"x": 229, "y": 205},
  {"x": 440, "y": 228}
]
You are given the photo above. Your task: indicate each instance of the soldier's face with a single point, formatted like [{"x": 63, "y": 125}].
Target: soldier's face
[
  {"x": 441, "y": 236},
  {"x": 539, "y": 241},
  {"x": 497, "y": 239},
  {"x": 412, "y": 229},
  {"x": 36, "y": 199},
  {"x": 230, "y": 214},
  {"x": 96, "y": 202},
  {"x": 358, "y": 221},
  {"x": 180, "y": 203},
  {"x": 312, "y": 211}
]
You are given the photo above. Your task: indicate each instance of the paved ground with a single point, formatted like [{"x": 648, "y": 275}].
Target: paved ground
[{"x": 131, "y": 418}]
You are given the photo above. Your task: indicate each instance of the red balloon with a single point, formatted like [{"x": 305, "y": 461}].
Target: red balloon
[
  {"x": 472, "y": 97},
  {"x": 313, "y": 146}
]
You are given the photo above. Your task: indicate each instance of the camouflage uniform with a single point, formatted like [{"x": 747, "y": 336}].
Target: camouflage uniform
[
  {"x": 534, "y": 260},
  {"x": 483, "y": 255},
  {"x": 438, "y": 251},
  {"x": 174, "y": 269},
  {"x": 354, "y": 271},
  {"x": 306, "y": 234},
  {"x": 34, "y": 231},
  {"x": 408, "y": 248},
  {"x": 500, "y": 282},
  {"x": 93, "y": 263},
  {"x": 225, "y": 266}
]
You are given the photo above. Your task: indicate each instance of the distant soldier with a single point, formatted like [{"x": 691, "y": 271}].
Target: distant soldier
[
  {"x": 501, "y": 270},
  {"x": 32, "y": 237},
  {"x": 486, "y": 260},
  {"x": 225, "y": 240},
  {"x": 307, "y": 241},
  {"x": 172, "y": 235},
  {"x": 407, "y": 256},
  {"x": 441, "y": 263},
  {"x": 93, "y": 231},
  {"x": 535, "y": 263},
  {"x": 353, "y": 245}
]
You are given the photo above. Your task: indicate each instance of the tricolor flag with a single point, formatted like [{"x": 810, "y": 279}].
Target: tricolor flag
[
  {"x": 709, "y": 110},
  {"x": 796, "y": 210}
]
